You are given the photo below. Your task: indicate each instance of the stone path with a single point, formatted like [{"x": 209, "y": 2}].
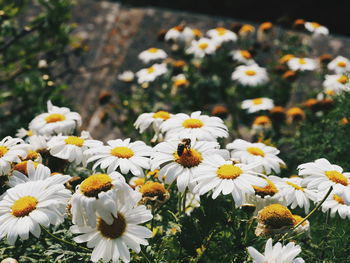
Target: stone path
[{"x": 115, "y": 35}]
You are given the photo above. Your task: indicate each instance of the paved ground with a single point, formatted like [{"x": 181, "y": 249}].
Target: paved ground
[{"x": 115, "y": 35}]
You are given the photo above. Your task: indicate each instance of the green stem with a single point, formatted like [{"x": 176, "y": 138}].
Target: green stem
[
  {"x": 145, "y": 256},
  {"x": 184, "y": 201},
  {"x": 64, "y": 241},
  {"x": 306, "y": 217}
]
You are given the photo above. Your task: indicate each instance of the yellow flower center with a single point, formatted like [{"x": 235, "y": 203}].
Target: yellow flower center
[
  {"x": 152, "y": 50},
  {"x": 295, "y": 111},
  {"x": 247, "y": 28},
  {"x": 270, "y": 189},
  {"x": 29, "y": 133},
  {"x": 302, "y": 61},
  {"x": 203, "y": 45},
  {"x": 122, "y": 152},
  {"x": 257, "y": 101},
  {"x": 192, "y": 123},
  {"x": 337, "y": 177},
  {"x": 3, "y": 150},
  {"x": 246, "y": 54},
  {"x": 338, "y": 199},
  {"x": 113, "y": 231},
  {"x": 32, "y": 155},
  {"x": 266, "y": 26},
  {"x": 95, "y": 184},
  {"x": 196, "y": 32},
  {"x": 181, "y": 82},
  {"x": 276, "y": 216},
  {"x": 161, "y": 115},
  {"x": 55, "y": 117},
  {"x": 150, "y": 69},
  {"x": 330, "y": 92},
  {"x": 297, "y": 187},
  {"x": 262, "y": 120},
  {"x": 341, "y": 64},
  {"x": 75, "y": 140},
  {"x": 23, "y": 206},
  {"x": 228, "y": 171},
  {"x": 151, "y": 189},
  {"x": 221, "y": 31},
  {"x": 139, "y": 181},
  {"x": 315, "y": 25},
  {"x": 22, "y": 167},
  {"x": 250, "y": 72},
  {"x": 189, "y": 158},
  {"x": 343, "y": 79},
  {"x": 153, "y": 173},
  {"x": 256, "y": 151}
]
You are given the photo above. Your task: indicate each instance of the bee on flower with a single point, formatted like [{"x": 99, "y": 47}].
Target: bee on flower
[
  {"x": 151, "y": 73},
  {"x": 251, "y": 75},
  {"x": 249, "y": 153},
  {"x": 221, "y": 35},
  {"x": 151, "y": 54},
  {"x": 196, "y": 125},
  {"x": 57, "y": 120},
  {"x": 181, "y": 166},
  {"x": 202, "y": 47},
  {"x": 316, "y": 28},
  {"x": 339, "y": 65},
  {"x": 302, "y": 64}
]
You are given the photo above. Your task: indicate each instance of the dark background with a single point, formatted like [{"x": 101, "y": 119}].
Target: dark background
[{"x": 333, "y": 14}]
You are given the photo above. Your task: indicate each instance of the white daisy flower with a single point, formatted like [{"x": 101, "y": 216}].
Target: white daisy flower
[
  {"x": 249, "y": 153},
  {"x": 11, "y": 150},
  {"x": 224, "y": 177},
  {"x": 180, "y": 34},
  {"x": 36, "y": 172},
  {"x": 128, "y": 156},
  {"x": 152, "y": 54},
  {"x": 97, "y": 196},
  {"x": 153, "y": 118},
  {"x": 301, "y": 64},
  {"x": 126, "y": 76},
  {"x": 257, "y": 104},
  {"x": 151, "y": 73},
  {"x": 192, "y": 201},
  {"x": 339, "y": 65},
  {"x": 337, "y": 201},
  {"x": 23, "y": 133},
  {"x": 56, "y": 120},
  {"x": 221, "y": 35},
  {"x": 181, "y": 168},
  {"x": 200, "y": 48},
  {"x": 111, "y": 242},
  {"x": 26, "y": 207},
  {"x": 277, "y": 253},
  {"x": 316, "y": 28},
  {"x": 335, "y": 84},
  {"x": 293, "y": 192},
  {"x": 72, "y": 148},
  {"x": 196, "y": 126},
  {"x": 243, "y": 56},
  {"x": 321, "y": 175},
  {"x": 251, "y": 75},
  {"x": 38, "y": 143}
]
